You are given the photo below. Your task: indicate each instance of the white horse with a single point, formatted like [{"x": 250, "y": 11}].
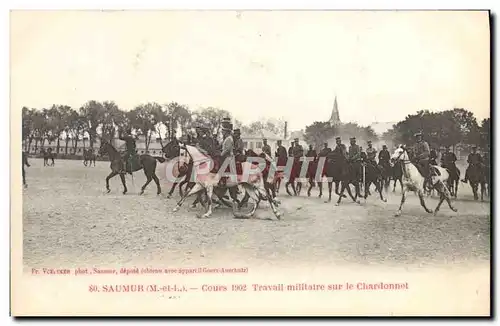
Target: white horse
[
  {"x": 414, "y": 181},
  {"x": 252, "y": 183}
]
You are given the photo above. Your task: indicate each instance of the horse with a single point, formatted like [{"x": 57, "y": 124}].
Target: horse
[
  {"x": 254, "y": 186},
  {"x": 146, "y": 163},
  {"x": 294, "y": 174},
  {"x": 48, "y": 155},
  {"x": 373, "y": 175},
  {"x": 333, "y": 173},
  {"x": 414, "y": 181},
  {"x": 454, "y": 178},
  {"x": 397, "y": 175},
  {"x": 88, "y": 157},
  {"x": 477, "y": 177}
]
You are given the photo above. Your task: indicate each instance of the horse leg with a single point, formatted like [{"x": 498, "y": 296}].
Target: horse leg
[
  {"x": 197, "y": 187},
  {"x": 320, "y": 187},
  {"x": 337, "y": 189},
  {"x": 311, "y": 184},
  {"x": 482, "y": 191},
  {"x": 112, "y": 174},
  {"x": 149, "y": 178},
  {"x": 422, "y": 201},
  {"x": 342, "y": 189},
  {"x": 394, "y": 187},
  {"x": 122, "y": 176},
  {"x": 403, "y": 199},
  {"x": 329, "y": 192},
  {"x": 172, "y": 190},
  {"x": 401, "y": 183},
  {"x": 299, "y": 188},
  {"x": 379, "y": 186},
  {"x": 354, "y": 198},
  {"x": 210, "y": 191},
  {"x": 287, "y": 189},
  {"x": 446, "y": 196},
  {"x": 157, "y": 181}
]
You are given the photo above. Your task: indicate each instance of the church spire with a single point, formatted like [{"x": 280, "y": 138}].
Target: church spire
[{"x": 334, "y": 118}]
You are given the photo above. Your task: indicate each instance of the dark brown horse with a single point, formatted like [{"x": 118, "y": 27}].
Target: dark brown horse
[
  {"x": 88, "y": 157},
  {"x": 145, "y": 162},
  {"x": 48, "y": 155}
]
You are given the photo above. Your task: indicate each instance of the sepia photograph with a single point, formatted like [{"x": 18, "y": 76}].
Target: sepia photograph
[{"x": 250, "y": 163}]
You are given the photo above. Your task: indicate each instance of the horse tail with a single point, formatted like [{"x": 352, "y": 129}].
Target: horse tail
[{"x": 160, "y": 159}]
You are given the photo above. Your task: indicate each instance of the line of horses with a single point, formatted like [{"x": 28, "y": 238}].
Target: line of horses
[{"x": 260, "y": 187}]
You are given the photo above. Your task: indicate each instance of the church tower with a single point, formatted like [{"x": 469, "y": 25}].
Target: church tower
[{"x": 334, "y": 118}]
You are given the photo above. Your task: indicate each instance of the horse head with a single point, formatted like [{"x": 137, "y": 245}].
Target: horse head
[
  {"x": 171, "y": 149},
  {"x": 400, "y": 154}
]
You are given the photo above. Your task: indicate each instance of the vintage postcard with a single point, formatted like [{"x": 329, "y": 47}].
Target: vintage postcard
[{"x": 250, "y": 163}]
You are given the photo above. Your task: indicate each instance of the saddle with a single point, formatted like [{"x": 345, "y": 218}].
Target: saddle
[{"x": 132, "y": 163}]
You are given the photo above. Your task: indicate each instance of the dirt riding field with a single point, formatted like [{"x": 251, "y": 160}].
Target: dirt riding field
[{"x": 70, "y": 221}]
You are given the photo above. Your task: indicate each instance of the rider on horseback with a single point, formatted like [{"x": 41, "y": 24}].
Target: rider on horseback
[
  {"x": 422, "y": 152},
  {"x": 324, "y": 151},
  {"x": 371, "y": 154},
  {"x": 297, "y": 151},
  {"x": 384, "y": 156},
  {"x": 475, "y": 160},
  {"x": 355, "y": 158},
  {"x": 311, "y": 153},
  {"x": 448, "y": 160},
  {"x": 281, "y": 154},
  {"x": 227, "y": 149},
  {"x": 340, "y": 150},
  {"x": 266, "y": 148},
  {"x": 433, "y": 157},
  {"x": 131, "y": 149}
]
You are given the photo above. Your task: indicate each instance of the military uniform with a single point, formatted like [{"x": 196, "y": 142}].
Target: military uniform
[
  {"x": 281, "y": 154},
  {"x": 422, "y": 153},
  {"x": 371, "y": 154},
  {"x": 339, "y": 152},
  {"x": 266, "y": 149},
  {"x": 433, "y": 157},
  {"x": 130, "y": 154},
  {"x": 475, "y": 160},
  {"x": 311, "y": 153},
  {"x": 354, "y": 153},
  {"x": 238, "y": 145},
  {"x": 297, "y": 151},
  {"x": 324, "y": 152},
  {"x": 384, "y": 157}
]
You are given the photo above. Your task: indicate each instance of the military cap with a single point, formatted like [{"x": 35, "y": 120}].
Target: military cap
[
  {"x": 325, "y": 143},
  {"x": 337, "y": 138},
  {"x": 352, "y": 138},
  {"x": 236, "y": 131},
  {"x": 264, "y": 139},
  {"x": 474, "y": 146},
  {"x": 384, "y": 146},
  {"x": 417, "y": 134},
  {"x": 369, "y": 142},
  {"x": 296, "y": 139}
]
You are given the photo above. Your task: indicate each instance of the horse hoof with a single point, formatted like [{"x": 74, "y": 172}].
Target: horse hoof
[
  {"x": 384, "y": 200},
  {"x": 158, "y": 193},
  {"x": 337, "y": 204},
  {"x": 430, "y": 211},
  {"x": 398, "y": 214},
  {"x": 358, "y": 202},
  {"x": 108, "y": 191},
  {"x": 175, "y": 209},
  {"x": 327, "y": 201},
  {"x": 278, "y": 215},
  {"x": 193, "y": 206},
  {"x": 454, "y": 209},
  {"x": 142, "y": 192}
]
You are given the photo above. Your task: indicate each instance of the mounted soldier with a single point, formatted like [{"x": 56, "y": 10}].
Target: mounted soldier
[
  {"x": 312, "y": 153},
  {"x": 297, "y": 151},
  {"x": 433, "y": 157},
  {"x": 384, "y": 157},
  {"x": 130, "y": 156},
  {"x": 362, "y": 154},
  {"x": 355, "y": 158},
  {"x": 281, "y": 154},
  {"x": 227, "y": 152},
  {"x": 324, "y": 151},
  {"x": 371, "y": 154},
  {"x": 339, "y": 151},
  {"x": 266, "y": 148},
  {"x": 448, "y": 160},
  {"x": 204, "y": 141},
  {"x": 475, "y": 161},
  {"x": 239, "y": 147},
  {"x": 421, "y": 158}
]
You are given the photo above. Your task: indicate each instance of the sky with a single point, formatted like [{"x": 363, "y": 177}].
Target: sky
[{"x": 381, "y": 65}]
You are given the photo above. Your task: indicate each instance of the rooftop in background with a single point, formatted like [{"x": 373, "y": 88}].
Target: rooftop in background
[{"x": 381, "y": 127}]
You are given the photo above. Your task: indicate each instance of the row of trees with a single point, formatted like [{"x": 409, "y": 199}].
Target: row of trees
[
  {"x": 321, "y": 132},
  {"x": 66, "y": 126},
  {"x": 445, "y": 128}
]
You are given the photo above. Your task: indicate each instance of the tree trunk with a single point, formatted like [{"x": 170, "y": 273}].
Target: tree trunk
[{"x": 67, "y": 143}]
